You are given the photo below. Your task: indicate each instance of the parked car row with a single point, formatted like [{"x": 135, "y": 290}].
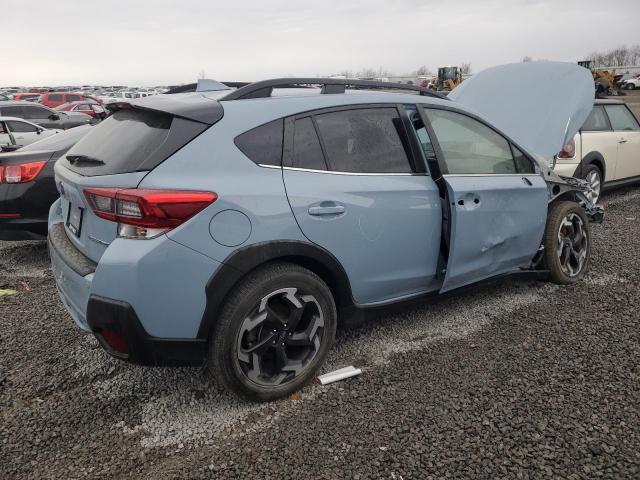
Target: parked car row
[{"x": 44, "y": 116}]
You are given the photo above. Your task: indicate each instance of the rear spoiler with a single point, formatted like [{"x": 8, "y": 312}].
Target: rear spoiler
[{"x": 196, "y": 108}]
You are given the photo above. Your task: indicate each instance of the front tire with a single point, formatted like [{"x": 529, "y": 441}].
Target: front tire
[
  {"x": 274, "y": 332},
  {"x": 567, "y": 243}
]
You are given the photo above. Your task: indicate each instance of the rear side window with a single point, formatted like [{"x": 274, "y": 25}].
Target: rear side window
[
  {"x": 366, "y": 140},
  {"x": 470, "y": 147},
  {"x": 596, "y": 121},
  {"x": 13, "y": 112},
  {"x": 54, "y": 98},
  {"x": 307, "y": 152},
  {"x": 36, "y": 112},
  {"x": 129, "y": 141},
  {"x": 621, "y": 118},
  {"x": 263, "y": 144},
  {"x": 74, "y": 98}
]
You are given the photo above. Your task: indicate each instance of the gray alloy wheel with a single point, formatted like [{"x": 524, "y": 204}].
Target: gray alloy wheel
[
  {"x": 573, "y": 245},
  {"x": 280, "y": 337},
  {"x": 594, "y": 179}
]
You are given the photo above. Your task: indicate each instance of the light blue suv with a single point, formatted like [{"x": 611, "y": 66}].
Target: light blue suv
[{"x": 240, "y": 227}]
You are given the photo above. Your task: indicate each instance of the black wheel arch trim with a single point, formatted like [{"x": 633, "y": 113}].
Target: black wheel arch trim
[
  {"x": 248, "y": 258},
  {"x": 588, "y": 159}
]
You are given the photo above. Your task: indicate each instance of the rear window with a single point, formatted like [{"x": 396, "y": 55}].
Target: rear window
[{"x": 129, "y": 141}]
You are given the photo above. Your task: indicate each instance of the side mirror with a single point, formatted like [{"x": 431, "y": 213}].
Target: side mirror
[
  {"x": 54, "y": 116},
  {"x": 39, "y": 131}
]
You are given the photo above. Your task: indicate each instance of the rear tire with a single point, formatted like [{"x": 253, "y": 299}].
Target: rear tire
[
  {"x": 567, "y": 242},
  {"x": 273, "y": 333}
]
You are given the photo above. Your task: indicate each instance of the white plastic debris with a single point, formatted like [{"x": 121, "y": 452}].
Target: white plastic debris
[{"x": 338, "y": 375}]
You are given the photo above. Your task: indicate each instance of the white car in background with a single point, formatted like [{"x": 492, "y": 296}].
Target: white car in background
[
  {"x": 20, "y": 132},
  {"x": 631, "y": 83},
  {"x": 606, "y": 150}
]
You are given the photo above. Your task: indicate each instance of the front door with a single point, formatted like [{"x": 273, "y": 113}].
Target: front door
[
  {"x": 354, "y": 189},
  {"x": 627, "y": 134},
  {"x": 497, "y": 203}
]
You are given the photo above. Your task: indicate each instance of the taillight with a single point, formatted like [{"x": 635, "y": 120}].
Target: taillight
[
  {"x": 142, "y": 213},
  {"x": 569, "y": 150},
  {"x": 21, "y": 172}
]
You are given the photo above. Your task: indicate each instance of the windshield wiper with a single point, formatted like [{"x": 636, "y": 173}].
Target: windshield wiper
[{"x": 73, "y": 159}]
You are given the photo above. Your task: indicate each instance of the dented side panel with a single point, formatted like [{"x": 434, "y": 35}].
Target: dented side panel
[{"x": 496, "y": 225}]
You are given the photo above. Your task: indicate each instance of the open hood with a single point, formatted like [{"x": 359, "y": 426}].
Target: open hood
[{"x": 540, "y": 105}]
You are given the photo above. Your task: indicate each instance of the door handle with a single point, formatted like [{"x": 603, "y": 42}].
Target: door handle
[
  {"x": 527, "y": 181},
  {"x": 328, "y": 208},
  {"x": 622, "y": 140}
]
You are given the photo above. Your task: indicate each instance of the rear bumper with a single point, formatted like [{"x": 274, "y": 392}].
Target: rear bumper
[
  {"x": 73, "y": 274},
  {"x": 566, "y": 169},
  {"x": 107, "y": 315},
  {"x": 94, "y": 309}
]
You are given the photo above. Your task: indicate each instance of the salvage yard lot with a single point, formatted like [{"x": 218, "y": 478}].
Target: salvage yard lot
[{"x": 521, "y": 378}]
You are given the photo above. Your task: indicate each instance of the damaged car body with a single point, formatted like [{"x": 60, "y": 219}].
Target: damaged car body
[{"x": 239, "y": 227}]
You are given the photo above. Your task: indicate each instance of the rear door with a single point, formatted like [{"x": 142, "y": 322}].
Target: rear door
[
  {"x": 356, "y": 190},
  {"x": 497, "y": 203},
  {"x": 627, "y": 135}
]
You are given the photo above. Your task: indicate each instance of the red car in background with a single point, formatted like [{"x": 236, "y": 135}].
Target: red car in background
[
  {"x": 54, "y": 99},
  {"x": 30, "y": 97},
  {"x": 88, "y": 107}
]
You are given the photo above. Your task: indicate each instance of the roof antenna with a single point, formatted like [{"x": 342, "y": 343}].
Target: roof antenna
[{"x": 208, "y": 85}]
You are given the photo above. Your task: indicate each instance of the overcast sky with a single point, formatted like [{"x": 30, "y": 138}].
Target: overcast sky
[{"x": 155, "y": 42}]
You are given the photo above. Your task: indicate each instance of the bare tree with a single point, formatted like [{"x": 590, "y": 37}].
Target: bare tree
[
  {"x": 527, "y": 59},
  {"x": 202, "y": 74},
  {"x": 423, "y": 70},
  {"x": 616, "y": 57},
  {"x": 367, "y": 73},
  {"x": 465, "y": 68},
  {"x": 346, "y": 73}
]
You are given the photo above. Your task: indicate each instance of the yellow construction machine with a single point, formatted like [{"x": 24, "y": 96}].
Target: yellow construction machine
[
  {"x": 605, "y": 80},
  {"x": 448, "y": 78}
]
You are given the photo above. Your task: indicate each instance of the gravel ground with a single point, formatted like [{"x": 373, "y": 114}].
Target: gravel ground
[{"x": 522, "y": 379}]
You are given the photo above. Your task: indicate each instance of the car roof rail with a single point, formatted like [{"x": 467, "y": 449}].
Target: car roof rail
[{"x": 264, "y": 88}]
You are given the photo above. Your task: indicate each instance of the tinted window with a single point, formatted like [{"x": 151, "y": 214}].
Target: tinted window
[
  {"x": 468, "y": 146},
  {"x": 122, "y": 143},
  {"x": 13, "y": 112},
  {"x": 36, "y": 112},
  {"x": 365, "y": 140},
  {"x": 307, "y": 152},
  {"x": 54, "y": 98},
  {"x": 523, "y": 164},
  {"x": 83, "y": 107},
  {"x": 74, "y": 98},
  {"x": 263, "y": 144},
  {"x": 21, "y": 127},
  {"x": 621, "y": 118},
  {"x": 596, "y": 121}
]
